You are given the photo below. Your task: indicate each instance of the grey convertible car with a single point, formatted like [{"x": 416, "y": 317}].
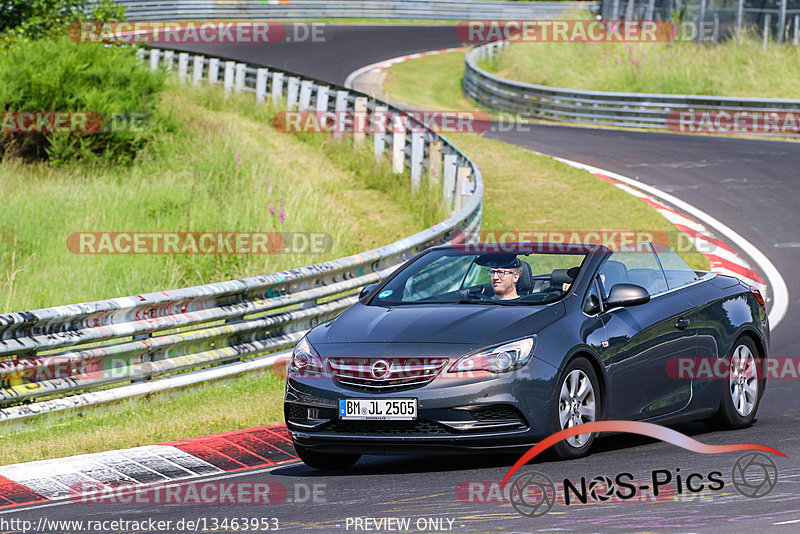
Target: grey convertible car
[{"x": 495, "y": 346}]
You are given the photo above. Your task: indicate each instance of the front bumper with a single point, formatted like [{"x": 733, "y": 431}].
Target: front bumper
[{"x": 504, "y": 412}]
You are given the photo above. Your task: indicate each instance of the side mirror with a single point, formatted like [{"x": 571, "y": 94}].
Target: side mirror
[
  {"x": 367, "y": 292},
  {"x": 627, "y": 295}
]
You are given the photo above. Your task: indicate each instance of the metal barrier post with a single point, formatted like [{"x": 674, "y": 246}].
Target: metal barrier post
[
  {"x": 701, "y": 20},
  {"x": 739, "y": 16},
  {"x": 230, "y": 74},
  {"x": 379, "y": 128},
  {"x": 323, "y": 92},
  {"x": 292, "y": 90},
  {"x": 305, "y": 95},
  {"x": 435, "y": 160},
  {"x": 213, "y": 70},
  {"x": 183, "y": 67},
  {"x": 782, "y": 21},
  {"x": 461, "y": 179},
  {"x": 715, "y": 32},
  {"x": 261, "y": 85},
  {"x": 796, "y": 34},
  {"x": 398, "y": 144},
  {"x": 240, "y": 77},
  {"x": 629, "y": 10},
  {"x": 169, "y": 56},
  {"x": 277, "y": 87},
  {"x": 360, "y": 120},
  {"x": 417, "y": 153},
  {"x": 197, "y": 71},
  {"x": 341, "y": 112},
  {"x": 449, "y": 186},
  {"x": 154, "y": 57},
  {"x": 766, "y": 29}
]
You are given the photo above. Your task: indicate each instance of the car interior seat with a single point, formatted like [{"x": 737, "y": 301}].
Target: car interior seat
[
  {"x": 525, "y": 282},
  {"x": 559, "y": 277}
]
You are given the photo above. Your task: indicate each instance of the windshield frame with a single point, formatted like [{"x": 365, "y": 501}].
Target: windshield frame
[{"x": 526, "y": 249}]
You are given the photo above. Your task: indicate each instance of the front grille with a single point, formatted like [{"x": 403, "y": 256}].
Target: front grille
[
  {"x": 498, "y": 413},
  {"x": 385, "y": 374},
  {"x": 384, "y": 428}
]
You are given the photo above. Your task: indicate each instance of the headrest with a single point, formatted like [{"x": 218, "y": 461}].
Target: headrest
[
  {"x": 563, "y": 276},
  {"x": 525, "y": 281}
]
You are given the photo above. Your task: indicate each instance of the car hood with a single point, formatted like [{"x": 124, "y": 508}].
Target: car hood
[{"x": 460, "y": 324}]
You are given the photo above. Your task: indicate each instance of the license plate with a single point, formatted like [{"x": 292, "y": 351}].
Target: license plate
[{"x": 380, "y": 409}]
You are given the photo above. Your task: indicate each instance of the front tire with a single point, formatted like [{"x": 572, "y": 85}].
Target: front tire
[
  {"x": 741, "y": 393},
  {"x": 325, "y": 461},
  {"x": 578, "y": 402}
]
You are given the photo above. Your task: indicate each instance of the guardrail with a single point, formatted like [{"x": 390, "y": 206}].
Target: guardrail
[
  {"x": 341, "y": 9},
  {"x": 56, "y": 353},
  {"x": 636, "y": 110}
]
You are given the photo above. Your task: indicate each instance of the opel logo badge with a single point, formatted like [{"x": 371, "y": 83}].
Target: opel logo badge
[{"x": 380, "y": 369}]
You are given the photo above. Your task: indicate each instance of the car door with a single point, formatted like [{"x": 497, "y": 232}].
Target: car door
[{"x": 642, "y": 339}]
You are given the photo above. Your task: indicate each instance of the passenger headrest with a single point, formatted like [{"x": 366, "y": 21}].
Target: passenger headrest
[{"x": 563, "y": 276}]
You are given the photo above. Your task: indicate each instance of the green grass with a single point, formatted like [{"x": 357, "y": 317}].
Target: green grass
[
  {"x": 524, "y": 192},
  {"x": 191, "y": 180},
  {"x": 733, "y": 68},
  {"x": 247, "y": 401},
  {"x": 429, "y": 82}
]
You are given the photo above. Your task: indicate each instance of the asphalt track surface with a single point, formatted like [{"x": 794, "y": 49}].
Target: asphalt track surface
[{"x": 750, "y": 185}]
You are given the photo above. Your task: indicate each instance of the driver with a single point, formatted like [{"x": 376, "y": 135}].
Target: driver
[{"x": 503, "y": 277}]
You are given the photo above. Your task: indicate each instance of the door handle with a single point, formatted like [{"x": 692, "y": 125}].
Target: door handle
[{"x": 681, "y": 323}]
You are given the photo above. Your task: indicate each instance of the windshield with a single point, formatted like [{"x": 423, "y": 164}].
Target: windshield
[{"x": 456, "y": 277}]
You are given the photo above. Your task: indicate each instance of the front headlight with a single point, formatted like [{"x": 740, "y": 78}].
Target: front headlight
[
  {"x": 500, "y": 359},
  {"x": 305, "y": 360}
]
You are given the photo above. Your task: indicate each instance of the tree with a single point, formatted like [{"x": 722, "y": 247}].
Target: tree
[{"x": 35, "y": 19}]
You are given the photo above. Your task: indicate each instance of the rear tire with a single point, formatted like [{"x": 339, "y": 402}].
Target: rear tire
[
  {"x": 741, "y": 393},
  {"x": 577, "y": 401},
  {"x": 325, "y": 461}
]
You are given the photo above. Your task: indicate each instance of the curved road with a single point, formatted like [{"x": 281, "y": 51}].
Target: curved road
[{"x": 750, "y": 185}]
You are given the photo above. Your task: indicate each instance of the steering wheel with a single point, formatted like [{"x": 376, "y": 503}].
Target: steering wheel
[{"x": 476, "y": 294}]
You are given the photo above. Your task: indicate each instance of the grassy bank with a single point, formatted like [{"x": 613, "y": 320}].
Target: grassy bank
[
  {"x": 732, "y": 68},
  {"x": 223, "y": 169}
]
